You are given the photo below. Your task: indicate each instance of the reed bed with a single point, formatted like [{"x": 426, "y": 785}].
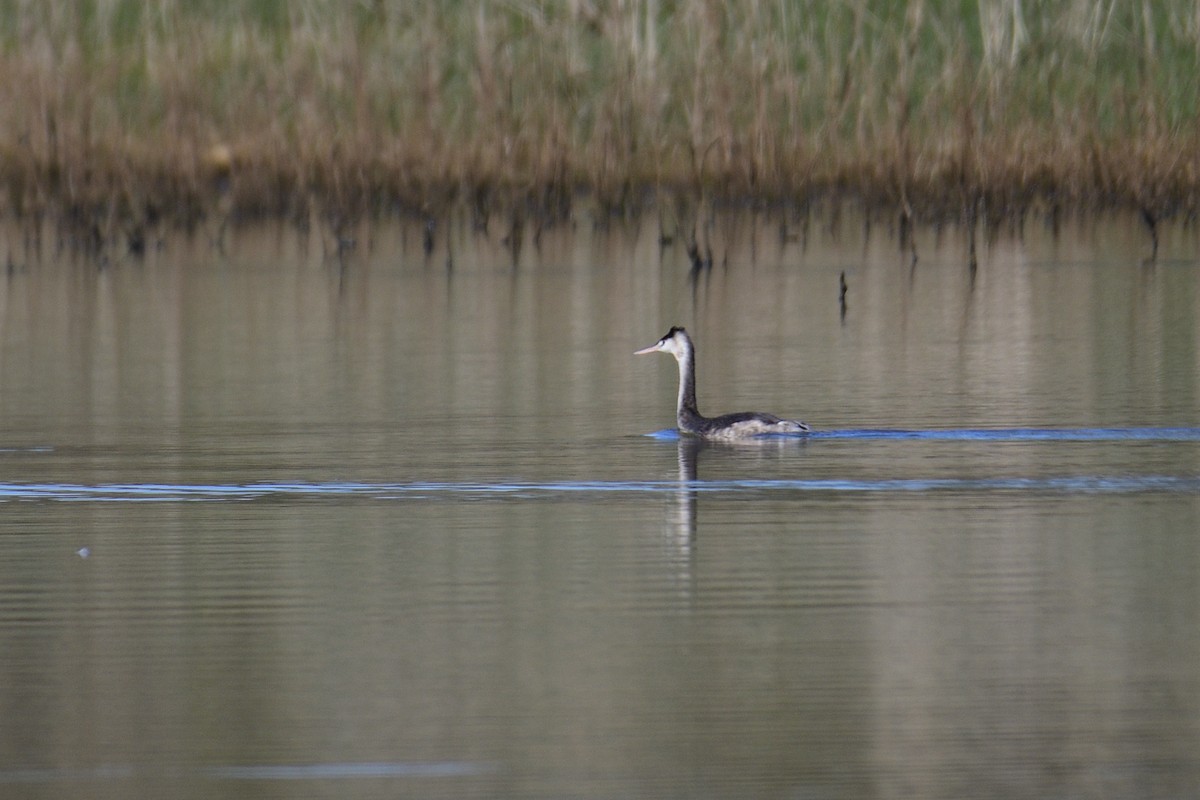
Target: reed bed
[{"x": 126, "y": 112}]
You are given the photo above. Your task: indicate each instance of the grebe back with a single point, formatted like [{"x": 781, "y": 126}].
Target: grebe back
[{"x": 727, "y": 426}]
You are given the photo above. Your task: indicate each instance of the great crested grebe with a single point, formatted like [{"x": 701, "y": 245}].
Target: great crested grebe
[{"x": 727, "y": 426}]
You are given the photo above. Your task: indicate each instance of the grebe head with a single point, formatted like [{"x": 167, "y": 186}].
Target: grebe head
[{"x": 676, "y": 342}]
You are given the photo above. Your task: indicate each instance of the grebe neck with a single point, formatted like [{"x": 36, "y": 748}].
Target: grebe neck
[{"x": 687, "y": 415}]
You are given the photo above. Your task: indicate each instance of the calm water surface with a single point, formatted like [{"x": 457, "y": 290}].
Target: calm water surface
[{"x": 276, "y": 524}]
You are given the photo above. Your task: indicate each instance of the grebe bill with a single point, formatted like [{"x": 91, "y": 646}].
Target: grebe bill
[{"x": 727, "y": 426}]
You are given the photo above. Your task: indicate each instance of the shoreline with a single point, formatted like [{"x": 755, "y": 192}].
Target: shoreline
[
  {"x": 983, "y": 180},
  {"x": 90, "y": 200}
]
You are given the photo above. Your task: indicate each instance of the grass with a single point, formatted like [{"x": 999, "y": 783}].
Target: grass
[{"x": 126, "y": 112}]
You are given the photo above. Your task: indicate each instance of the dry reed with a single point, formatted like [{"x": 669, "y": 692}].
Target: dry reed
[{"x": 125, "y": 112}]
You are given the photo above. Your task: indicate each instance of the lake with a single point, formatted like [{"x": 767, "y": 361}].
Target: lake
[{"x": 284, "y": 519}]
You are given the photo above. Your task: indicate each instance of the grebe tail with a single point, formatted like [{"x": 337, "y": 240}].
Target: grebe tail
[{"x": 739, "y": 425}]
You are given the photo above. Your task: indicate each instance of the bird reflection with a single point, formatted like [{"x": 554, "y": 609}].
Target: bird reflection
[
  {"x": 684, "y": 526},
  {"x": 681, "y": 524},
  {"x": 684, "y": 517}
]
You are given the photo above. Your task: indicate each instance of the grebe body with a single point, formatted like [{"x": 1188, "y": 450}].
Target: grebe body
[{"x": 740, "y": 425}]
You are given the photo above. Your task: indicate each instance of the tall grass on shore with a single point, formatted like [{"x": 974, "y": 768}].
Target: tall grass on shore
[{"x": 127, "y": 110}]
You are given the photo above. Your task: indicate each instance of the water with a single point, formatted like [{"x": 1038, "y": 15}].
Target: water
[{"x": 278, "y": 524}]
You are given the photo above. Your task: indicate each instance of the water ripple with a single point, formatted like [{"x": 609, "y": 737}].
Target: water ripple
[
  {"x": 417, "y": 490},
  {"x": 255, "y": 772},
  {"x": 137, "y": 493},
  {"x": 987, "y": 434}
]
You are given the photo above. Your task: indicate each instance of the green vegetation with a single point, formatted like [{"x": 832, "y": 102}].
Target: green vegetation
[{"x": 121, "y": 109}]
